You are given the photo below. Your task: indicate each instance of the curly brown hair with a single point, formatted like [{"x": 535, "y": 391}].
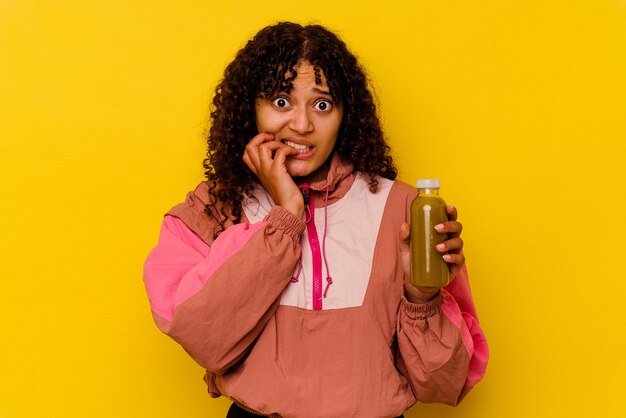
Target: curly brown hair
[{"x": 266, "y": 65}]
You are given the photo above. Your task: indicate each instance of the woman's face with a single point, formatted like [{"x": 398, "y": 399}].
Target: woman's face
[{"x": 306, "y": 119}]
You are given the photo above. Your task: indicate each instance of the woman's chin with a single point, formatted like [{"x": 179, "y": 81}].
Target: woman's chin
[
  {"x": 296, "y": 170},
  {"x": 306, "y": 171},
  {"x": 305, "y": 176}
]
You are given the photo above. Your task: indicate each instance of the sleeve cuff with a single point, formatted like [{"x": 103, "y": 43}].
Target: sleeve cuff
[
  {"x": 281, "y": 218},
  {"x": 421, "y": 310}
]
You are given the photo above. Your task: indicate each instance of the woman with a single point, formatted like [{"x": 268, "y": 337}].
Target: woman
[{"x": 285, "y": 274}]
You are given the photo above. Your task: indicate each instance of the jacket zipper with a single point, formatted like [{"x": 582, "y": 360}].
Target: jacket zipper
[{"x": 316, "y": 253}]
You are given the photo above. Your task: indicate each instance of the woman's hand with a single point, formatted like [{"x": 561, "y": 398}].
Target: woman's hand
[
  {"x": 266, "y": 158},
  {"x": 453, "y": 246}
]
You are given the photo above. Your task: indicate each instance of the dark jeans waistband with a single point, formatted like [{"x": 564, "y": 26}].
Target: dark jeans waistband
[{"x": 236, "y": 411}]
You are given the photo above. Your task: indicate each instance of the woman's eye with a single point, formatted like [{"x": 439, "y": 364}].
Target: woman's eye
[
  {"x": 323, "y": 105},
  {"x": 280, "y": 102}
]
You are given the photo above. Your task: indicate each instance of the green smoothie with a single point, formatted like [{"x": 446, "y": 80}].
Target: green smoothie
[{"x": 428, "y": 268}]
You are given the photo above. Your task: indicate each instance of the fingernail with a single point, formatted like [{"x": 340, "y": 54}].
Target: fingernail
[
  {"x": 450, "y": 207},
  {"x": 439, "y": 227},
  {"x": 447, "y": 257},
  {"x": 441, "y": 247}
]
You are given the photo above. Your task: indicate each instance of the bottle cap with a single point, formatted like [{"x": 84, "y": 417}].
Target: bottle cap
[{"x": 428, "y": 184}]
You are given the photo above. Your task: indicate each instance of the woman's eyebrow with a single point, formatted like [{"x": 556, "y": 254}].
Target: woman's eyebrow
[{"x": 320, "y": 91}]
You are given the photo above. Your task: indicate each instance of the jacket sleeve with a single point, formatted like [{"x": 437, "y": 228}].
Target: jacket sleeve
[
  {"x": 215, "y": 300},
  {"x": 442, "y": 350}
]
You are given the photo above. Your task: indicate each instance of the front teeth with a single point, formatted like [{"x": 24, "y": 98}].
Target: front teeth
[{"x": 300, "y": 148}]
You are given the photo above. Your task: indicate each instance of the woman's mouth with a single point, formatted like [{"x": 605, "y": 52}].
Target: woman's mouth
[
  {"x": 298, "y": 147},
  {"x": 303, "y": 152}
]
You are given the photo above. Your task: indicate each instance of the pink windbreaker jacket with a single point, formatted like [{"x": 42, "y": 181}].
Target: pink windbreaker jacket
[{"x": 307, "y": 318}]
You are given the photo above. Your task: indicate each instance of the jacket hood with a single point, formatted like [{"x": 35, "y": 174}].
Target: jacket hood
[{"x": 338, "y": 181}]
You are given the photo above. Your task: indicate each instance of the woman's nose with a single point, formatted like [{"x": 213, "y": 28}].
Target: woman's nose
[{"x": 300, "y": 121}]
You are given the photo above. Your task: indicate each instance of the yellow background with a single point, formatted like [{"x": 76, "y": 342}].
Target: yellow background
[{"x": 518, "y": 106}]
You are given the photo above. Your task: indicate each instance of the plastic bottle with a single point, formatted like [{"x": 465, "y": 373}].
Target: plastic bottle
[{"x": 428, "y": 268}]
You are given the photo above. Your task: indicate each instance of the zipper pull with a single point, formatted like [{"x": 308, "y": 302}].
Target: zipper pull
[{"x": 304, "y": 188}]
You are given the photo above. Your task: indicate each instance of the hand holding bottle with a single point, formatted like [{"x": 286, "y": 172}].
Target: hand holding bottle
[
  {"x": 453, "y": 246},
  {"x": 454, "y": 258}
]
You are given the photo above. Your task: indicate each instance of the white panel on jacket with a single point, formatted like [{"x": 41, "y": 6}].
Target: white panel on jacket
[{"x": 352, "y": 230}]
